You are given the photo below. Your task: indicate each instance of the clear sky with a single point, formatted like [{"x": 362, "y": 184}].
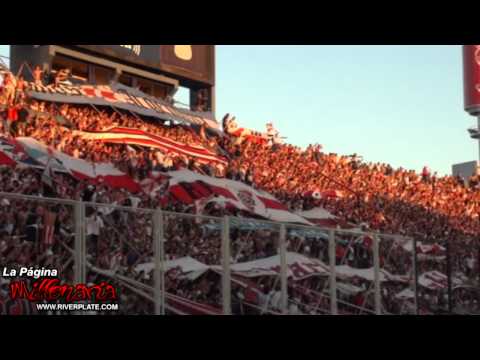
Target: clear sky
[{"x": 401, "y": 105}]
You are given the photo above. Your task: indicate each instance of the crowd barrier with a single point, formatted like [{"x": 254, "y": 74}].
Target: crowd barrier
[{"x": 170, "y": 263}]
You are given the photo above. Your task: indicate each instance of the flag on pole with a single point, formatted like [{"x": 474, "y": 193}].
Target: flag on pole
[
  {"x": 49, "y": 228},
  {"x": 47, "y": 176}
]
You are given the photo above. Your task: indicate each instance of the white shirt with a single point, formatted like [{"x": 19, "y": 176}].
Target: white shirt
[
  {"x": 231, "y": 126},
  {"x": 94, "y": 224},
  {"x": 159, "y": 157},
  {"x": 272, "y": 132},
  {"x": 293, "y": 310},
  {"x": 135, "y": 201},
  {"x": 275, "y": 300},
  {"x": 107, "y": 210},
  {"x": 262, "y": 299}
]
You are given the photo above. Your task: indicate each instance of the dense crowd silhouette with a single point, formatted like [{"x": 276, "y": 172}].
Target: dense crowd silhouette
[{"x": 372, "y": 197}]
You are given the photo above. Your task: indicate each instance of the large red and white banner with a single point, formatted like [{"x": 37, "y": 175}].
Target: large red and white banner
[
  {"x": 122, "y": 99},
  {"x": 298, "y": 267},
  {"x": 189, "y": 187},
  {"x": 80, "y": 169},
  {"x": 184, "y": 265},
  {"x": 346, "y": 271},
  {"x": 120, "y": 135}
]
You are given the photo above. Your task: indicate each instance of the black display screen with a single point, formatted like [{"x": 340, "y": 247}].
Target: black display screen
[{"x": 195, "y": 62}]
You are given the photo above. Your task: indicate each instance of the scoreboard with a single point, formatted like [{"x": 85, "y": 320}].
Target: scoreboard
[{"x": 190, "y": 62}]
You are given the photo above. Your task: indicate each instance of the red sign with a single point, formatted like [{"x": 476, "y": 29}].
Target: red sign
[
  {"x": 52, "y": 290},
  {"x": 471, "y": 80}
]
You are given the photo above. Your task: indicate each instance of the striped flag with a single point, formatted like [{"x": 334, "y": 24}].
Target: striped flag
[
  {"x": 81, "y": 169},
  {"x": 47, "y": 176},
  {"x": 49, "y": 219},
  {"x": 120, "y": 135},
  {"x": 189, "y": 187}
]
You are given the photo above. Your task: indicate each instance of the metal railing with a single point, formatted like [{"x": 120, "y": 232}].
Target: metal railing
[{"x": 298, "y": 265}]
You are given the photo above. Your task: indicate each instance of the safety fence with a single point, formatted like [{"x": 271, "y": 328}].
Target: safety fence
[{"x": 169, "y": 263}]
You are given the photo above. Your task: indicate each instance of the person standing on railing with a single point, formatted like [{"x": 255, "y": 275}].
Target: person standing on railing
[
  {"x": 426, "y": 174},
  {"x": 38, "y": 75},
  {"x": 12, "y": 117},
  {"x": 20, "y": 89},
  {"x": 3, "y": 118},
  {"x": 201, "y": 100},
  {"x": 62, "y": 76},
  {"x": 8, "y": 88},
  {"x": 273, "y": 135},
  {"x": 474, "y": 180},
  {"x": 94, "y": 226}
]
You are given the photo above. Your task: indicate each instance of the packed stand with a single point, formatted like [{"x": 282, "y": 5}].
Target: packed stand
[{"x": 373, "y": 197}]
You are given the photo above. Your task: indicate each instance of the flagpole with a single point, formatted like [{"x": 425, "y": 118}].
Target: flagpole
[
  {"x": 98, "y": 111},
  {"x": 449, "y": 276},
  {"x": 478, "y": 127},
  {"x": 116, "y": 110}
]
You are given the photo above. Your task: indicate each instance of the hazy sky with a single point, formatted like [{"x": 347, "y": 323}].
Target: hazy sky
[{"x": 401, "y": 105}]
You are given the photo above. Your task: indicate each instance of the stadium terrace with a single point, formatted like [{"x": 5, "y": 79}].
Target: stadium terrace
[{"x": 124, "y": 163}]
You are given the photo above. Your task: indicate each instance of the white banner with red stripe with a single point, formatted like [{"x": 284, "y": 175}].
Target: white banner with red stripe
[{"x": 298, "y": 267}]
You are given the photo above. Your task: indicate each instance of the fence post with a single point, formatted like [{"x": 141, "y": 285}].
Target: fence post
[
  {"x": 283, "y": 269},
  {"x": 376, "y": 271},
  {"x": 80, "y": 248},
  {"x": 449, "y": 276},
  {"x": 226, "y": 281},
  {"x": 333, "y": 275},
  {"x": 159, "y": 283},
  {"x": 162, "y": 263},
  {"x": 80, "y": 244},
  {"x": 415, "y": 274}
]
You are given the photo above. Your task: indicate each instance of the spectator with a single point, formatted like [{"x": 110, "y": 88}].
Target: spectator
[
  {"x": 8, "y": 87},
  {"x": 425, "y": 174},
  {"x": 20, "y": 89},
  {"x": 94, "y": 226},
  {"x": 61, "y": 76},
  {"x": 38, "y": 75}
]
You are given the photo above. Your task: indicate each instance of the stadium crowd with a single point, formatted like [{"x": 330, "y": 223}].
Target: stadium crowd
[{"x": 370, "y": 197}]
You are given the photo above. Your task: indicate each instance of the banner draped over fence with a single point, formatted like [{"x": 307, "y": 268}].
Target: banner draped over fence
[
  {"x": 106, "y": 96},
  {"x": 78, "y": 168},
  {"x": 189, "y": 187},
  {"x": 298, "y": 267}
]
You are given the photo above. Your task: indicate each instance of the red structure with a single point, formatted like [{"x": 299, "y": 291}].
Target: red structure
[{"x": 471, "y": 84}]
